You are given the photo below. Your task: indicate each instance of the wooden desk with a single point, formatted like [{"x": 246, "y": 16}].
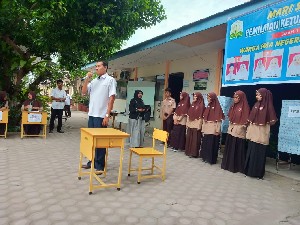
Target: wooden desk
[
  {"x": 92, "y": 138},
  {"x": 4, "y": 120},
  {"x": 25, "y": 118}
]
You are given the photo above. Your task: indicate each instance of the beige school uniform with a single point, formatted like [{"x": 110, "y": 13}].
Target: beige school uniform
[
  {"x": 211, "y": 127},
  {"x": 258, "y": 133},
  {"x": 168, "y": 106},
  {"x": 181, "y": 119},
  {"x": 237, "y": 130},
  {"x": 197, "y": 123}
]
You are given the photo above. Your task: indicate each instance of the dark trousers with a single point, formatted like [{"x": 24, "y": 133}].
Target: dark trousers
[
  {"x": 96, "y": 122},
  {"x": 56, "y": 113},
  {"x": 168, "y": 126},
  {"x": 67, "y": 111}
]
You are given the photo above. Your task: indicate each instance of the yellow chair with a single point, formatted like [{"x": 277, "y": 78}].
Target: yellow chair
[
  {"x": 4, "y": 120},
  {"x": 151, "y": 152}
]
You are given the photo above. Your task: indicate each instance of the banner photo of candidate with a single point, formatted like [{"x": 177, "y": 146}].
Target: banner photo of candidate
[{"x": 264, "y": 50}]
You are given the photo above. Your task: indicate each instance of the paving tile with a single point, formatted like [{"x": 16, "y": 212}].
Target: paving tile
[{"x": 193, "y": 193}]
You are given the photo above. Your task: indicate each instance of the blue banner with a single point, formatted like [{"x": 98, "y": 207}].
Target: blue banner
[{"x": 263, "y": 47}]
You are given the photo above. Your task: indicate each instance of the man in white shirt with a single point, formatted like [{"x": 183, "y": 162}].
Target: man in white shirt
[
  {"x": 68, "y": 104},
  {"x": 58, "y": 96},
  {"x": 102, "y": 91}
]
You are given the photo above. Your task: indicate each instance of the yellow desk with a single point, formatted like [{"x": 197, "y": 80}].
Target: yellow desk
[
  {"x": 26, "y": 120},
  {"x": 4, "y": 120},
  {"x": 92, "y": 138}
]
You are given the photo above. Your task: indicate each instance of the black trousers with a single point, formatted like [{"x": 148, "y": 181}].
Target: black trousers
[
  {"x": 67, "y": 111},
  {"x": 56, "y": 113}
]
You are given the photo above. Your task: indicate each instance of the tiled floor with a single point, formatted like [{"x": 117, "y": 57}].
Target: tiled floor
[{"x": 39, "y": 185}]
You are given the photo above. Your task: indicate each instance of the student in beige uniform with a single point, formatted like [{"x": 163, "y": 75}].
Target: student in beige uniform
[
  {"x": 235, "y": 145},
  {"x": 167, "y": 108},
  {"x": 180, "y": 115},
  {"x": 211, "y": 129},
  {"x": 194, "y": 125},
  {"x": 261, "y": 117}
]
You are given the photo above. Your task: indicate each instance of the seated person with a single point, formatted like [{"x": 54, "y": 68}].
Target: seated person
[
  {"x": 3, "y": 106},
  {"x": 32, "y": 104}
]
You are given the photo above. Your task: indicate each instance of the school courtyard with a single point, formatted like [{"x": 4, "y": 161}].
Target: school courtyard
[{"x": 39, "y": 185}]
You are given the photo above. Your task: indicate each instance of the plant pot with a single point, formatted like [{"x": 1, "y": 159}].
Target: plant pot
[{"x": 84, "y": 108}]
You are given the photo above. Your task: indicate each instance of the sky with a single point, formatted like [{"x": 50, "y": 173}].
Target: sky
[{"x": 180, "y": 13}]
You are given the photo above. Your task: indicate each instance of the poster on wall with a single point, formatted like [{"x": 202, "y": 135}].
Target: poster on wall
[
  {"x": 200, "y": 75},
  {"x": 264, "y": 50},
  {"x": 200, "y": 78}
]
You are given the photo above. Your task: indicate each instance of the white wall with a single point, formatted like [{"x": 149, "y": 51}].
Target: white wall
[{"x": 187, "y": 66}]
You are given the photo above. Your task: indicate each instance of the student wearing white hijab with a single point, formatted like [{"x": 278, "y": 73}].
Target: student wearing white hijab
[
  {"x": 274, "y": 70},
  {"x": 260, "y": 70},
  {"x": 294, "y": 68},
  {"x": 242, "y": 73}
]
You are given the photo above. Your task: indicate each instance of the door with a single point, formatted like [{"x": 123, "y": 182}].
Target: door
[{"x": 176, "y": 85}]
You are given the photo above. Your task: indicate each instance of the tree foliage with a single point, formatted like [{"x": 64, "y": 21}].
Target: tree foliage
[{"x": 76, "y": 32}]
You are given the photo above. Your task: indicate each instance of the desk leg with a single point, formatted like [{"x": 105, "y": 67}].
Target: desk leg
[
  {"x": 92, "y": 172},
  {"x": 121, "y": 166},
  {"x": 80, "y": 164},
  {"x": 5, "y": 132},
  {"x": 45, "y": 131},
  {"x": 22, "y": 130}
]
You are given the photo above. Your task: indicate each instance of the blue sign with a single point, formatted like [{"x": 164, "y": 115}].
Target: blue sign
[{"x": 263, "y": 47}]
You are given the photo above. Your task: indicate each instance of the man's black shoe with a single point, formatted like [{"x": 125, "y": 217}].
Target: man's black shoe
[
  {"x": 60, "y": 131},
  {"x": 50, "y": 131}
]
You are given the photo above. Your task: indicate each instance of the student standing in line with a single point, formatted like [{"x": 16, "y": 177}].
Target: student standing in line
[
  {"x": 211, "y": 129},
  {"x": 167, "y": 108},
  {"x": 3, "y": 106},
  {"x": 261, "y": 117},
  {"x": 180, "y": 117},
  {"x": 235, "y": 145},
  {"x": 194, "y": 125}
]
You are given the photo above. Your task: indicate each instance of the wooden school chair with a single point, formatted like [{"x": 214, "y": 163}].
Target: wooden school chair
[
  {"x": 4, "y": 120},
  {"x": 151, "y": 152}
]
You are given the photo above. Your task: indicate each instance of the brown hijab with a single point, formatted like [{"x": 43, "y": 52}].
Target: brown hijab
[
  {"x": 197, "y": 108},
  {"x": 183, "y": 105},
  {"x": 34, "y": 102},
  {"x": 3, "y": 99},
  {"x": 239, "y": 112},
  {"x": 213, "y": 111},
  {"x": 263, "y": 112}
]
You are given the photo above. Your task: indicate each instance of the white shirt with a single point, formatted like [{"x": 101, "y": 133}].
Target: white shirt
[
  {"x": 56, "y": 93},
  {"x": 100, "y": 89},
  {"x": 68, "y": 100}
]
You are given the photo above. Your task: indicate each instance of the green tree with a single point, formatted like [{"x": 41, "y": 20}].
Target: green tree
[{"x": 74, "y": 32}]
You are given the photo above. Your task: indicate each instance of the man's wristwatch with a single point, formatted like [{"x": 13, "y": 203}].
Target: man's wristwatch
[{"x": 107, "y": 115}]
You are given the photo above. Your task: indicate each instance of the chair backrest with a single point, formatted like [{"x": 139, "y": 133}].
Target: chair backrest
[{"x": 160, "y": 135}]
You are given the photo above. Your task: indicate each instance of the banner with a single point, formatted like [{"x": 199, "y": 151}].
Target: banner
[{"x": 263, "y": 47}]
